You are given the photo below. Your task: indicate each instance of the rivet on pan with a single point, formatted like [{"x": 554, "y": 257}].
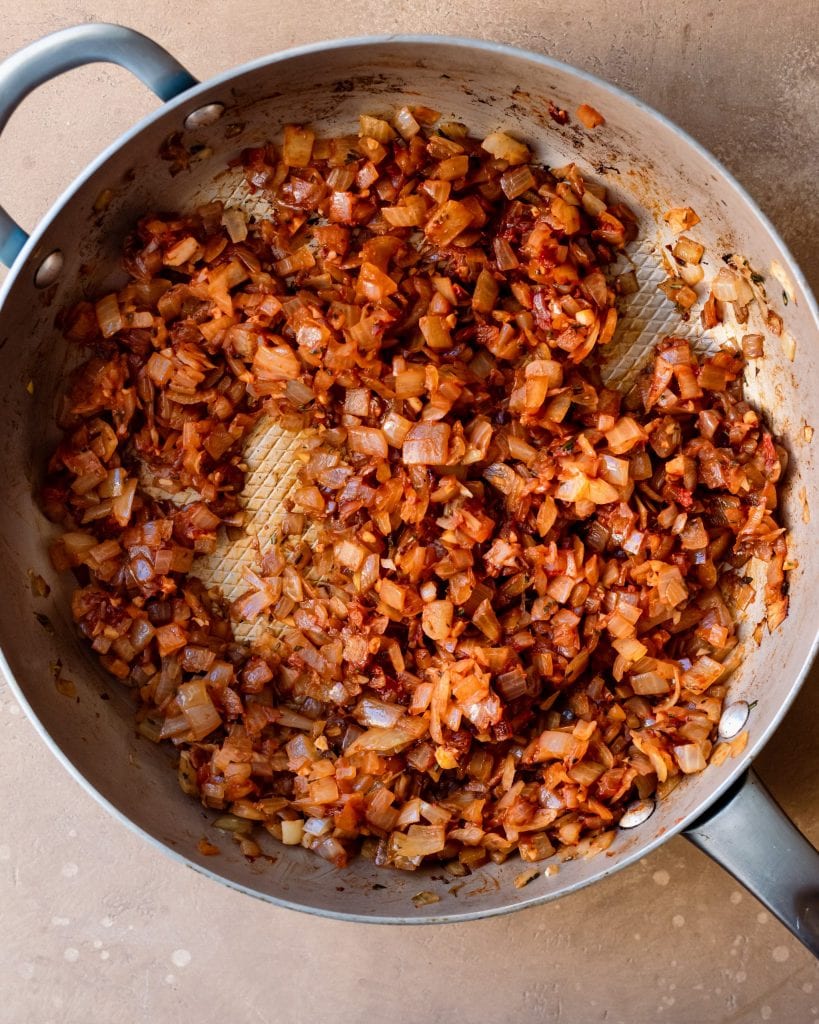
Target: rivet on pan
[
  {"x": 637, "y": 813},
  {"x": 49, "y": 270},
  {"x": 733, "y": 719},
  {"x": 203, "y": 116}
]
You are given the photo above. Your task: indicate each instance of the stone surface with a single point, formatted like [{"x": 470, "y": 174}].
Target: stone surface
[{"x": 98, "y": 926}]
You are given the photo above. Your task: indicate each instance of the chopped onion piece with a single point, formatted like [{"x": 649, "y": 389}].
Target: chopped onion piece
[{"x": 504, "y": 147}]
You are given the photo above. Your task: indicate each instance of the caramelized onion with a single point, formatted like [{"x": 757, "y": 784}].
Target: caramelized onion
[{"x": 496, "y": 608}]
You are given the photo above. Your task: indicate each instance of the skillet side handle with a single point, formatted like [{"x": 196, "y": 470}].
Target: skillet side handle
[
  {"x": 748, "y": 833},
  {"x": 43, "y": 60}
]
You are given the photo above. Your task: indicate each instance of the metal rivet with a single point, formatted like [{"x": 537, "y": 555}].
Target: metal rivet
[
  {"x": 49, "y": 270},
  {"x": 203, "y": 116},
  {"x": 637, "y": 813},
  {"x": 733, "y": 719}
]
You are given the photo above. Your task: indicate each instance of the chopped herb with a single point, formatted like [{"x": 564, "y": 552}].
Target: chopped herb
[
  {"x": 727, "y": 257},
  {"x": 752, "y": 705},
  {"x": 757, "y": 278},
  {"x": 784, "y": 296}
]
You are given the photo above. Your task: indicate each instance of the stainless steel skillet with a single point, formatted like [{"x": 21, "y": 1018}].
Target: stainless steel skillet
[{"x": 177, "y": 158}]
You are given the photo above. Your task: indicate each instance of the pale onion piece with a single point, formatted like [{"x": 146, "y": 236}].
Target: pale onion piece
[
  {"x": 292, "y": 831},
  {"x": 588, "y": 116},
  {"x": 670, "y": 586},
  {"x": 595, "y": 286},
  {"x": 426, "y": 444},
  {"x": 436, "y": 331},
  {"x": 691, "y": 273},
  {"x": 486, "y": 291},
  {"x": 547, "y": 515},
  {"x": 703, "y": 673},
  {"x": 122, "y": 504},
  {"x": 235, "y": 223},
  {"x": 649, "y": 683},
  {"x": 517, "y": 180},
  {"x": 406, "y": 124},
  {"x": 109, "y": 317},
  {"x": 784, "y": 279},
  {"x": 411, "y": 382},
  {"x": 367, "y": 441},
  {"x": 576, "y": 488},
  {"x": 601, "y": 492},
  {"x": 436, "y": 619},
  {"x": 318, "y": 826},
  {"x": 689, "y": 757},
  {"x": 375, "y": 128},
  {"x": 419, "y": 841},
  {"x": 297, "y": 147},
  {"x": 725, "y": 285},
  {"x": 159, "y": 368},
  {"x": 504, "y": 147},
  {"x": 197, "y": 707},
  {"x": 687, "y": 250},
  {"x": 486, "y": 620},
  {"x": 350, "y": 555},
  {"x": 446, "y": 758},
  {"x": 753, "y": 346},
  {"x": 681, "y": 218},
  {"x": 393, "y": 594},
  {"x": 679, "y": 292},
  {"x": 372, "y": 712},
  {"x": 447, "y": 222},
  {"x": 373, "y": 285},
  {"x": 525, "y": 877},
  {"x": 301, "y": 259},
  {"x": 592, "y": 204},
  {"x": 340, "y": 179},
  {"x": 184, "y": 251},
  {"x": 411, "y": 213},
  {"x": 535, "y": 391},
  {"x": 566, "y": 214},
  {"x": 555, "y": 745},
  {"x": 614, "y": 470},
  {"x": 624, "y": 435},
  {"x": 437, "y": 190},
  {"x": 505, "y": 255},
  {"x": 278, "y": 362},
  {"x": 549, "y": 370},
  {"x": 395, "y": 428},
  {"x": 428, "y": 116},
  {"x": 630, "y": 649},
  {"x": 452, "y": 168},
  {"x": 392, "y": 740},
  {"x": 518, "y": 449}
]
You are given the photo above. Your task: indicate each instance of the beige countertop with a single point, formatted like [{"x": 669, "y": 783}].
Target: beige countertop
[{"x": 98, "y": 926}]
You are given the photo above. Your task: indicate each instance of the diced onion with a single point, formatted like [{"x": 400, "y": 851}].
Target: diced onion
[{"x": 487, "y": 600}]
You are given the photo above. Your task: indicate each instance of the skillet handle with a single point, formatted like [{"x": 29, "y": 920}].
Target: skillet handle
[
  {"x": 23, "y": 71},
  {"x": 748, "y": 833}
]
